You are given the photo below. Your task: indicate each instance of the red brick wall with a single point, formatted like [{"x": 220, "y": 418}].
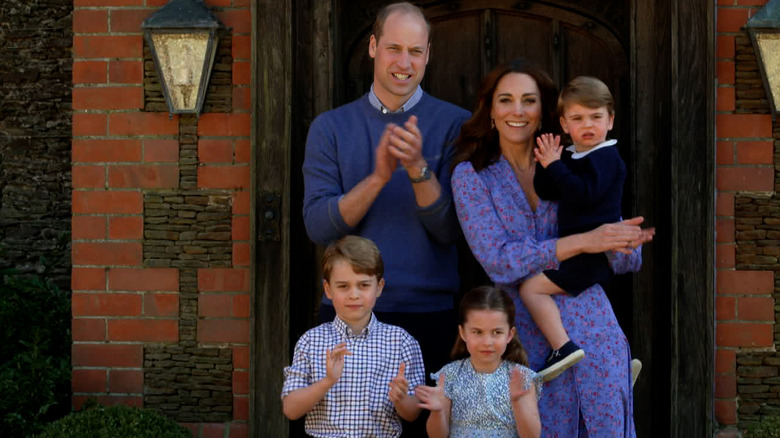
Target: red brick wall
[
  {"x": 118, "y": 151},
  {"x": 745, "y": 163}
]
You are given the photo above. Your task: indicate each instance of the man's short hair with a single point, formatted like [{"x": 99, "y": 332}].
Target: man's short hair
[
  {"x": 403, "y": 7},
  {"x": 359, "y": 252},
  {"x": 586, "y": 91}
]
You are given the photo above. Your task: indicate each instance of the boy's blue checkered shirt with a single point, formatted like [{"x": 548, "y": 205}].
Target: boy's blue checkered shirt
[{"x": 358, "y": 404}]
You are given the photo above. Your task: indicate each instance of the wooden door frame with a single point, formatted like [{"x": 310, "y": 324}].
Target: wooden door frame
[
  {"x": 672, "y": 85},
  {"x": 271, "y": 85},
  {"x": 673, "y": 91}
]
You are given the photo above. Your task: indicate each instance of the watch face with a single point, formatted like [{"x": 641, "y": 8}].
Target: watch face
[{"x": 425, "y": 175}]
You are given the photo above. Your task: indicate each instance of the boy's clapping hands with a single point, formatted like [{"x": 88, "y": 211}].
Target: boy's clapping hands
[{"x": 334, "y": 361}]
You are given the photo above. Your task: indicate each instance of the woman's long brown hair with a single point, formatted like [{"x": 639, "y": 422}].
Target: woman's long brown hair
[
  {"x": 490, "y": 298},
  {"x": 478, "y": 140}
]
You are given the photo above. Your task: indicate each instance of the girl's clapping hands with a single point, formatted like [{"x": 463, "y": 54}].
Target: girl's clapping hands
[
  {"x": 433, "y": 398},
  {"x": 517, "y": 387}
]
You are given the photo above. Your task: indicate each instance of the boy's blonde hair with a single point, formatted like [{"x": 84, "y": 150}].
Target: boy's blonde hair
[
  {"x": 586, "y": 91},
  {"x": 359, "y": 252}
]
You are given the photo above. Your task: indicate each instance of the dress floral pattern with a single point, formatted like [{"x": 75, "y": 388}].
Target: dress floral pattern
[{"x": 512, "y": 242}]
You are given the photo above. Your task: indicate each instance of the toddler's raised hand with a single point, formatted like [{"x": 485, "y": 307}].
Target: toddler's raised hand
[
  {"x": 548, "y": 149},
  {"x": 399, "y": 386},
  {"x": 432, "y": 397},
  {"x": 334, "y": 361}
]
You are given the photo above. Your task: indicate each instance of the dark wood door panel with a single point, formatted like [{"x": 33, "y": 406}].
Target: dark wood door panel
[
  {"x": 456, "y": 52},
  {"x": 525, "y": 36}
]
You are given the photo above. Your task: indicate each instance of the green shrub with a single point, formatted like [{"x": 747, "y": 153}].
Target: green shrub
[
  {"x": 35, "y": 347},
  {"x": 118, "y": 421},
  {"x": 768, "y": 427}
]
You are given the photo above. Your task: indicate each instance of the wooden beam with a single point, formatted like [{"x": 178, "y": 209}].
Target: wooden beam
[
  {"x": 650, "y": 95},
  {"x": 692, "y": 203},
  {"x": 672, "y": 76},
  {"x": 270, "y": 213}
]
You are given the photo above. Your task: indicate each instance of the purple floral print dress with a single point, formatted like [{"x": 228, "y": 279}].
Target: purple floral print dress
[{"x": 512, "y": 242}]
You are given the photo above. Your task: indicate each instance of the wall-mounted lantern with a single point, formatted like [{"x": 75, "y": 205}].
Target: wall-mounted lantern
[
  {"x": 182, "y": 36},
  {"x": 764, "y": 29}
]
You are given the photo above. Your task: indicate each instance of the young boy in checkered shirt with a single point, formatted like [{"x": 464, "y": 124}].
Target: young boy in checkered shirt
[{"x": 354, "y": 376}]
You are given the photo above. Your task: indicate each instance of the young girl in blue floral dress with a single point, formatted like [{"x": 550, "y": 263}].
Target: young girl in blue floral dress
[{"x": 487, "y": 391}]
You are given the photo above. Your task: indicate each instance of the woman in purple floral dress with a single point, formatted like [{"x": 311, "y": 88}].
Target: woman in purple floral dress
[{"x": 513, "y": 234}]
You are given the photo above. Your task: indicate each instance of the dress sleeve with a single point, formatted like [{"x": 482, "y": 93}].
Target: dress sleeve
[
  {"x": 323, "y": 186},
  {"x": 530, "y": 377},
  {"x": 506, "y": 258},
  {"x": 299, "y": 374},
  {"x": 439, "y": 218},
  {"x": 624, "y": 263}
]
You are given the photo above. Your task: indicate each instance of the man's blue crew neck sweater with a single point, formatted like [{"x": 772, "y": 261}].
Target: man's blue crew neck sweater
[{"x": 417, "y": 244}]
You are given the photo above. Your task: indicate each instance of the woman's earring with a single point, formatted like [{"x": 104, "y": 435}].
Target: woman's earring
[{"x": 492, "y": 123}]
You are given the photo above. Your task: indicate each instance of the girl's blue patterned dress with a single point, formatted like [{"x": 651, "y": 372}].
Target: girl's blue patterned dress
[{"x": 480, "y": 401}]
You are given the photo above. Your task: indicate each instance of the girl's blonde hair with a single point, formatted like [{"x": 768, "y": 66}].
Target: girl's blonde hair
[{"x": 490, "y": 298}]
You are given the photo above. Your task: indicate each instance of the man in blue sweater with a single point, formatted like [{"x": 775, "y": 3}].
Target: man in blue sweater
[{"x": 379, "y": 167}]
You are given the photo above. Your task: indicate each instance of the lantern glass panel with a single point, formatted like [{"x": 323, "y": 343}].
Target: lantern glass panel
[
  {"x": 182, "y": 57},
  {"x": 769, "y": 45}
]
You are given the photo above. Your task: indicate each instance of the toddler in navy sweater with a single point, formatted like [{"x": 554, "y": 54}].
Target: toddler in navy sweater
[{"x": 587, "y": 181}]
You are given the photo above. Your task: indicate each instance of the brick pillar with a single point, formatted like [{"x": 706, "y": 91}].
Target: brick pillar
[
  {"x": 129, "y": 158},
  {"x": 745, "y": 259}
]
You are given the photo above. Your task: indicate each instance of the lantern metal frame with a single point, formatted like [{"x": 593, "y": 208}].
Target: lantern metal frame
[
  {"x": 764, "y": 27},
  {"x": 183, "y": 24}
]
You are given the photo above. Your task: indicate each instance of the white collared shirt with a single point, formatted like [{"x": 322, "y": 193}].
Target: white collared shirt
[{"x": 577, "y": 155}]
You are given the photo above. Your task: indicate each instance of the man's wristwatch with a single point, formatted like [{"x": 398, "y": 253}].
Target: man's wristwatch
[{"x": 425, "y": 175}]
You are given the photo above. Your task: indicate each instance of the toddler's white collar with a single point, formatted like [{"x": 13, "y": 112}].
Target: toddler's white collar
[{"x": 577, "y": 155}]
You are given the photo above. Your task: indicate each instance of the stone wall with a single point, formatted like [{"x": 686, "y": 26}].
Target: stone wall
[
  {"x": 757, "y": 233},
  {"x": 749, "y": 88},
  {"x": 35, "y": 134}
]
